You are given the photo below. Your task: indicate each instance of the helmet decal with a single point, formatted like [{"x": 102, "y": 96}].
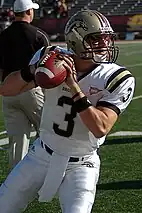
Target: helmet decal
[{"x": 76, "y": 24}]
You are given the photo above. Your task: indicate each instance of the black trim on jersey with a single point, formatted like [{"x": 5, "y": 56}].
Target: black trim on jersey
[
  {"x": 114, "y": 75},
  {"x": 109, "y": 105},
  {"x": 119, "y": 82},
  {"x": 88, "y": 72}
]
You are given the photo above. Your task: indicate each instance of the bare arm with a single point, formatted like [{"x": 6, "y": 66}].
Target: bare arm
[
  {"x": 14, "y": 85},
  {"x": 99, "y": 120}
]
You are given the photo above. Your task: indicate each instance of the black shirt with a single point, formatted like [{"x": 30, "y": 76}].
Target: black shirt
[{"x": 18, "y": 43}]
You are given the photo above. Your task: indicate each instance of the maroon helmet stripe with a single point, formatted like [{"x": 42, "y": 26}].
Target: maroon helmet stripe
[
  {"x": 101, "y": 22},
  {"x": 103, "y": 18}
]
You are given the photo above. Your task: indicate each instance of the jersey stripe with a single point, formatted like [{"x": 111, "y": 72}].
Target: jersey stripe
[
  {"x": 119, "y": 82},
  {"x": 114, "y": 75},
  {"x": 117, "y": 78}
]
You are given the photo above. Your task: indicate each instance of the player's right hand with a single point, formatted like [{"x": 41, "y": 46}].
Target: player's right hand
[
  {"x": 71, "y": 79},
  {"x": 70, "y": 67}
]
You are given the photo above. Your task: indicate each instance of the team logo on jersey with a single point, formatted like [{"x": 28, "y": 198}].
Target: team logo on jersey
[{"x": 94, "y": 90}]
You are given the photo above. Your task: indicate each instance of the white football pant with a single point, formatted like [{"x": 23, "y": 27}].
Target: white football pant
[{"x": 76, "y": 192}]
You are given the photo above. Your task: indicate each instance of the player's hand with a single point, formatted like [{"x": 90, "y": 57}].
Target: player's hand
[{"x": 71, "y": 79}]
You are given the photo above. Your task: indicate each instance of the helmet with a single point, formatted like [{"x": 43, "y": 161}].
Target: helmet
[{"x": 89, "y": 35}]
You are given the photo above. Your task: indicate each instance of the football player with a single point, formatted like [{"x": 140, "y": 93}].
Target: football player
[{"x": 76, "y": 118}]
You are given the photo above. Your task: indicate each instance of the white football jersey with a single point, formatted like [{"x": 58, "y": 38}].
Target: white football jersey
[{"x": 62, "y": 129}]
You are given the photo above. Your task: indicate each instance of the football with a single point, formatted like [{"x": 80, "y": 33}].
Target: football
[{"x": 50, "y": 72}]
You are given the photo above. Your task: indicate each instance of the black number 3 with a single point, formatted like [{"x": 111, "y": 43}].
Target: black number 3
[
  {"x": 125, "y": 98},
  {"x": 68, "y": 117}
]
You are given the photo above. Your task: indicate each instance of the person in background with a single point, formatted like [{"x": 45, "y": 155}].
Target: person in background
[
  {"x": 18, "y": 43},
  {"x": 60, "y": 9}
]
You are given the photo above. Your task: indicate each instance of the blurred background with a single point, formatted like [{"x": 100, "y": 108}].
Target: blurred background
[{"x": 125, "y": 16}]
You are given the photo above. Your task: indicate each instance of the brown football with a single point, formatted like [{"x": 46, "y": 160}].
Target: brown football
[{"x": 50, "y": 72}]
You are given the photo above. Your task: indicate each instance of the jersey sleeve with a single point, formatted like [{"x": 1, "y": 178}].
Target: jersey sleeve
[{"x": 118, "y": 95}]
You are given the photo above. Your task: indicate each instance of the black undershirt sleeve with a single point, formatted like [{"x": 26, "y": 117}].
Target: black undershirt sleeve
[{"x": 26, "y": 74}]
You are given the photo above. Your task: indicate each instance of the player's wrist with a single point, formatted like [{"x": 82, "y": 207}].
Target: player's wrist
[
  {"x": 78, "y": 96},
  {"x": 74, "y": 88},
  {"x": 82, "y": 104},
  {"x": 76, "y": 92}
]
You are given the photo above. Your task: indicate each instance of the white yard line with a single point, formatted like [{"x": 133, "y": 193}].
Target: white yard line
[
  {"x": 2, "y": 133},
  {"x": 137, "y": 97},
  {"x": 126, "y": 133},
  {"x": 3, "y": 141}
]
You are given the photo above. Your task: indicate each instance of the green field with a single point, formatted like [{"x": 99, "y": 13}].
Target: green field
[{"x": 120, "y": 185}]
